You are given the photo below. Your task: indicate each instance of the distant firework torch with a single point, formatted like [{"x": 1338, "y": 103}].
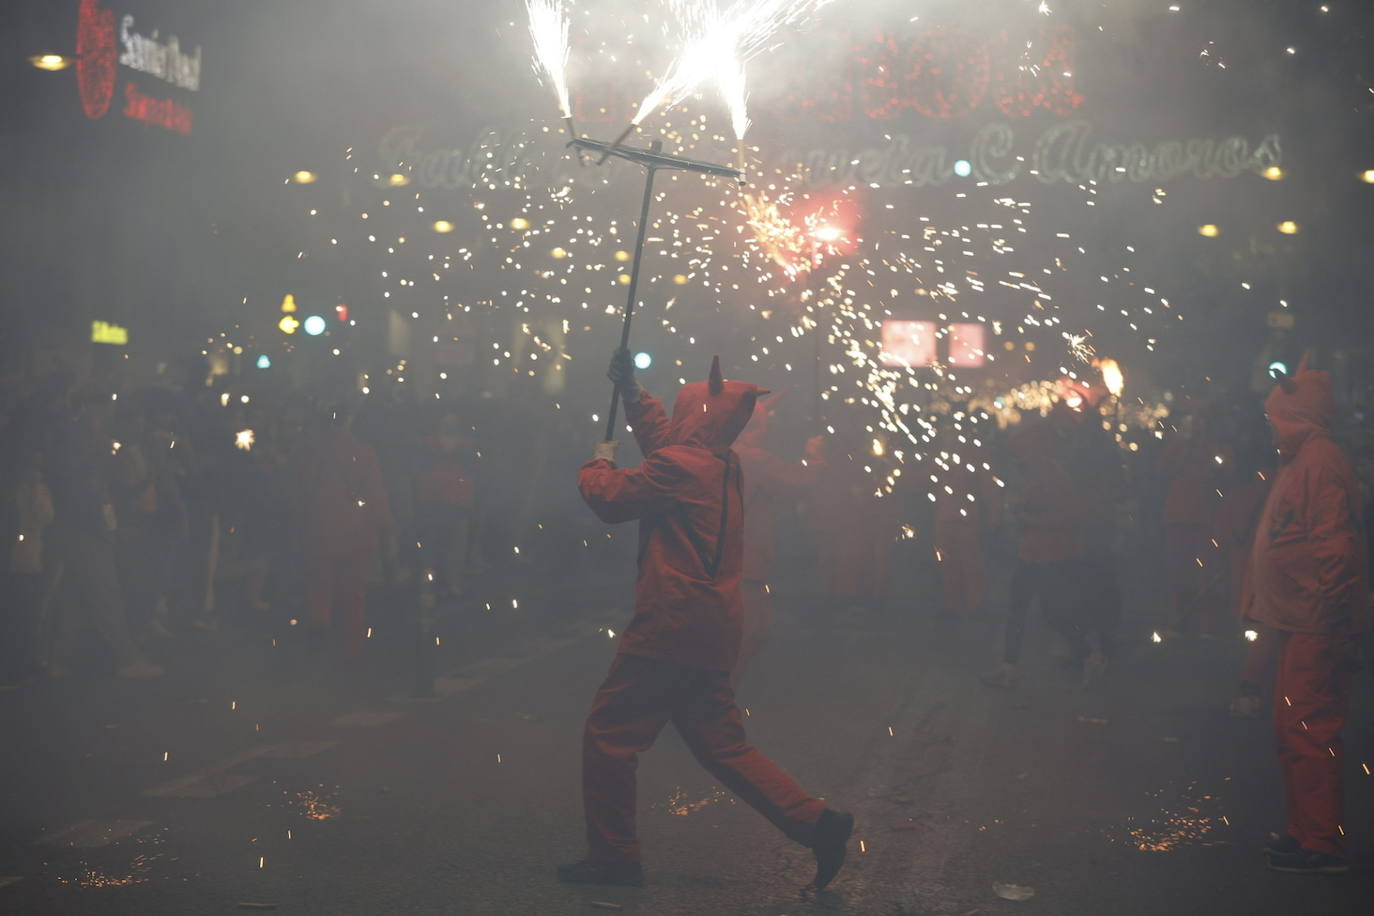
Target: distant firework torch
[{"x": 653, "y": 159}]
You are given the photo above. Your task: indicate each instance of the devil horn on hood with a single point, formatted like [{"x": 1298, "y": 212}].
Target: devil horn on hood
[
  {"x": 1302, "y": 363},
  {"x": 1285, "y": 381},
  {"x": 717, "y": 380}
]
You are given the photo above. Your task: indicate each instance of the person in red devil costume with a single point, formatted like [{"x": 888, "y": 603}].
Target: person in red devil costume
[
  {"x": 768, "y": 480},
  {"x": 675, "y": 658},
  {"x": 1308, "y": 582}
]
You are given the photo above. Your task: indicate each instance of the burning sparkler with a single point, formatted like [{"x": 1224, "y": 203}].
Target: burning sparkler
[
  {"x": 1112, "y": 376},
  {"x": 549, "y": 31},
  {"x": 718, "y": 44}
]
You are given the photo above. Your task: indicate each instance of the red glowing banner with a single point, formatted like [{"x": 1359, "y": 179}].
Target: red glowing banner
[
  {"x": 908, "y": 344},
  {"x": 940, "y": 72}
]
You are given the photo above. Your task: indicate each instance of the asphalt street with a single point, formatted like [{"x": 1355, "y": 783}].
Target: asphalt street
[{"x": 252, "y": 778}]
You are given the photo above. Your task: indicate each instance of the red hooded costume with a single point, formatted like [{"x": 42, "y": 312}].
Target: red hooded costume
[
  {"x": 688, "y": 498},
  {"x": 1308, "y": 580},
  {"x": 675, "y": 658}
]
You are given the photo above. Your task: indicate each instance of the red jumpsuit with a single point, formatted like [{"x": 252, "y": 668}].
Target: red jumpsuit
[
  {"x": 343, "y": 510},
  {"x": 1308, "y": 580},
  {"x": 767, "y": 481},
  {"x": 676, "y": 656}
]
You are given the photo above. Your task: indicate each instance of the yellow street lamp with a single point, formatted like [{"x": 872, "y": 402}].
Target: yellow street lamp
[
  {"x": 1288, "y": 227},
  {"x": 442, "y": 226},
  {"x": 1273, "y": 173},
  {"x": 51, "y": 61},
  {"x": 304, "y": 176},
  {"x": 1208, "y": 230}
]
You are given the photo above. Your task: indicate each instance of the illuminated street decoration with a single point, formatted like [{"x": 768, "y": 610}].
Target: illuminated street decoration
[
  {"x": 162, "y": 59},
  {"x": 101, "y": 51},
  {"x": 50, "y": 61},
  {"x": 104, "y": 332}
]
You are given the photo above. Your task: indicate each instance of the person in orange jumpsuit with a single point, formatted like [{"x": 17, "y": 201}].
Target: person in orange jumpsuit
[
  {"x": 1309, "y": 582},
  {"x": 343, "y": 513},
  {"x": 675, "y": 659},
  {"x": 768, "y": 480}
]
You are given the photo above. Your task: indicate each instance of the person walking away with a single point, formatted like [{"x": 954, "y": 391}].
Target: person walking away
[
  {"x": 1309, "y": 582},
  {"x": 1095, "y": 462},
  {"x": 343, "y": 514},
  {"x": 768, "y": 481},
  {"x": 152, "y": 522},
  {"x": 444, "y": 505},
  {"x": 1049, "y": 548},
  {"x": 675, "y": 658}
]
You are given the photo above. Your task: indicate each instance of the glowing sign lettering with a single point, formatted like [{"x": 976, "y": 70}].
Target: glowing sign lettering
[
  {"x": 161, "y": 112},
  {"x": 165, "y": 60},
  {"x": 103, "y": 332}
]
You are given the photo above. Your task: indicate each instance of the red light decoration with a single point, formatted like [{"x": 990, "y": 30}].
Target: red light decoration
[
  {"x": 163, "y": 113},
  {"x": 967, "y": 345},
  {"x": 938, "y": 72},
  {"x": 341, "y": 312},
  {"x": 96, "y": 58},
  {"x": 908, "y": 344}
]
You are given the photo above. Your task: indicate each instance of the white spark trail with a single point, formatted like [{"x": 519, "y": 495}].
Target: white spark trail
[{"x": 549, "y": 30}]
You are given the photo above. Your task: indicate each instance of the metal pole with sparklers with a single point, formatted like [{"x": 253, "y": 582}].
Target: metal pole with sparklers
[{"x": 653, "y": 159}]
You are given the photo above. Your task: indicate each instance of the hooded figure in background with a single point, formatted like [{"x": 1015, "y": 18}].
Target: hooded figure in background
[
  {"x": 342, "y": 512},
  {"x": 675, "y": 659},
  {"x": 768, "y": 481},
  {"x": 1309, "y": 583}
]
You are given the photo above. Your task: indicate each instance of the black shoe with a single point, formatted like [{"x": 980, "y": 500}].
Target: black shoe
[
  {"x": 619, "y": 874},
  {"x": 1307, "y": 862},
  {"x": 832, "y": 835},
  {"x": 1280, "y": 844}
]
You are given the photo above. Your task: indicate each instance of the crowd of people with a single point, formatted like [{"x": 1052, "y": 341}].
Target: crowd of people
[
  {"x": 1271, "y": 535},
  {"x": 136, "y": 516}
]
